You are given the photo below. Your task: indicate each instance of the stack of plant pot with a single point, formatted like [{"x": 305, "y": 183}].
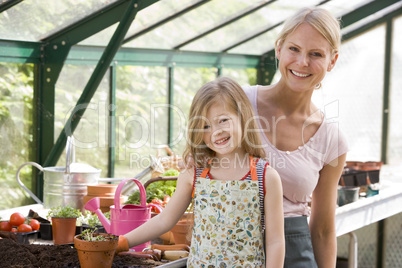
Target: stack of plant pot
[
  {"x": 359, "y": 179},
  {"x": 182, "y": 231},
  {"x": 106, "y": 194},
  {"x": 358, "y": 173}
]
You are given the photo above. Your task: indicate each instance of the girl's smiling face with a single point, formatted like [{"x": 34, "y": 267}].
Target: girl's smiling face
[
  {"x": 222, "y": 130},
  {"x": 304, "y": 58}
]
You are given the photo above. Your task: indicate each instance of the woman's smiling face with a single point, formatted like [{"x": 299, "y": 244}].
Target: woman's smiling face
[
  {"x": 304, "y": 58},
  {"x": 222, "y": 130}
]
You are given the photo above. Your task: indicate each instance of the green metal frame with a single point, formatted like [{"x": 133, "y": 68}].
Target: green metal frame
[
  {"x": 8, "y": 4},
  {"x": 20, "y": 52},
  {"x": 112, "y": 121},
  {"x": 386, "y": 94},
  {"x": 153, "y": 57},
  {"x": 170, "y": 87}
]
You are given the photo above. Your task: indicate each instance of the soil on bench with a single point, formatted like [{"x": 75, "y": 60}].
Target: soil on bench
[{"x": 14, "y": 254}]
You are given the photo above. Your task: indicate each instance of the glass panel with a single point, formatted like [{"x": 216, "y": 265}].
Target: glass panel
[
  {"x": 260, "y": 44},
  {"x": 247, "y": 26},
  {"x": 395, "y": 127},
  {"x": 16, "y": 133},
  {"x": 341, "y": 7},
  {"x": 187, "y": 81},
  {"x": 190, "y": 24},
  {"x": 36, "y": 19},
  {"x": 91, "y": 135},
  {"x": 158, "y": 12},
  {"x": 351, "y": 94},
  {"x": 145, "y": 18},
  {"x": 141, "y": 117},
  {"x": 242, "y": 76},
  {"x": 102, "y": 38}
]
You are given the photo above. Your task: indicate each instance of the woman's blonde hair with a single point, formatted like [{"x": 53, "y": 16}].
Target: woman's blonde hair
[
  {"x": 229, "y": 93},
  {"x": 319, "y": 18}
]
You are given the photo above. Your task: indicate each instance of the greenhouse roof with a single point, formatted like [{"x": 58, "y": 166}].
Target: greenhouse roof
[{"x": 245, "y": 27}]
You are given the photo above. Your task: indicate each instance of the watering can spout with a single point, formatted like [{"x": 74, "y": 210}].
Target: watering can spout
[{"x": 94, "y": 206}]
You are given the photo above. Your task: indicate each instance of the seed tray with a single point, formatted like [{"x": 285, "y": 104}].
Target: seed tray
[{"x": 23, "y": 238}]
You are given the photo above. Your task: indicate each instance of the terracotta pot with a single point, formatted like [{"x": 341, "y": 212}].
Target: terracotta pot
[
  {"x": 96, "y": 254},
  {"x": 105, "y": 201},
  {"x": 101, "y": 189},
  {"x": 63, "y": 230},
  {"x": 106, "y": 193},
  {"x": 182, "y": 232}
]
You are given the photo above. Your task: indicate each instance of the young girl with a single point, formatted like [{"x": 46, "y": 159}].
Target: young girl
[{"x": 235, "y": 191}]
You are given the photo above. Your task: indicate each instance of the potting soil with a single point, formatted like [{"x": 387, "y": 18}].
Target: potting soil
[{"x": 16, "y": 255}]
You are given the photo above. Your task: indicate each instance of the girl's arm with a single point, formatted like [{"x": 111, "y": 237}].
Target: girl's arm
[
  {"x": 165, "y": 221},
  {"x": 274, "y": 220},
  {"x": 322, "y": 220}
]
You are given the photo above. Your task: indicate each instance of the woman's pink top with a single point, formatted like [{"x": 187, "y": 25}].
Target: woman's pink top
[{"x": 299, "y": 169}]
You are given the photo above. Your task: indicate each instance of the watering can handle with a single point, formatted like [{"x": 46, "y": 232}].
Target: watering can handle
[
  {"x": 70, "y": 153},
  {"x": 120, "y": 187},
  {"x": 23, "y": 186}
]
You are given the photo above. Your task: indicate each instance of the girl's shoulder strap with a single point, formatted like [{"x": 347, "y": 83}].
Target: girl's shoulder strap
[
  {"x": 199, "y": 172},
  {"x": 261, "y": 166}
]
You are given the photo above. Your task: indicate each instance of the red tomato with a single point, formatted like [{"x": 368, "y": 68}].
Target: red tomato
[
  {"x": 14, "y": 230},
  {"x": 16, "y": 219},
  {"x": 5, "y": 226},
  {"x": 35, "y": 224},
  {"x": 23, "y": 228}
]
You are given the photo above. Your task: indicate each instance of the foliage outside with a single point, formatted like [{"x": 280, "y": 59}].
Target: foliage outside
[{"x": 16, "y": 133}]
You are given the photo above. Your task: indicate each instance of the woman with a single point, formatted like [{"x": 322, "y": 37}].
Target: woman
[{"x": 307, "y": 151}]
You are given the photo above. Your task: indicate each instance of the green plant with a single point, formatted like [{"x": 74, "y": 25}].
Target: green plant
[
  {"x": 156, "y": 190},
  {"x": 90, "y": 235},
  {"x": 171, "y": 172},
  {"x": 64, "y": 212},
  {"x": 89, "y": 219}
]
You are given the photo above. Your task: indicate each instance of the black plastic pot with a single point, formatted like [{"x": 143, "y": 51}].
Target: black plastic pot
[{"x": 45, "y": 231}]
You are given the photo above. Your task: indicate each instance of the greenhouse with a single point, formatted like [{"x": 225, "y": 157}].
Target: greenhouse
[{"x": 119, "y": 77}]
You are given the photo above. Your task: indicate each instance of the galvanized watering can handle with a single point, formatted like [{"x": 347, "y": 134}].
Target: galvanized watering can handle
[
  {"x": 70, "y": 153},
  {"x": 23, "y": 186},
  {"x": 143, "y": 195}
]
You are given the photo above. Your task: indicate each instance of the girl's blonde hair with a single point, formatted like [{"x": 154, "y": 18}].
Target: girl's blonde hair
[
  {"x": 321, "y": 19},
  {"x": 228, "y": 93}
]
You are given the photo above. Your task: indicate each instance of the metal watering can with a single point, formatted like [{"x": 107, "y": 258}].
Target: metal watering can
[
  {"x": 64, "y": 185},
  {"x": 126, "y": 218}
]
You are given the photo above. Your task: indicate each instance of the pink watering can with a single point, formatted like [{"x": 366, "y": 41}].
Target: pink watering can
[{"x": 126, "y": 218}]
